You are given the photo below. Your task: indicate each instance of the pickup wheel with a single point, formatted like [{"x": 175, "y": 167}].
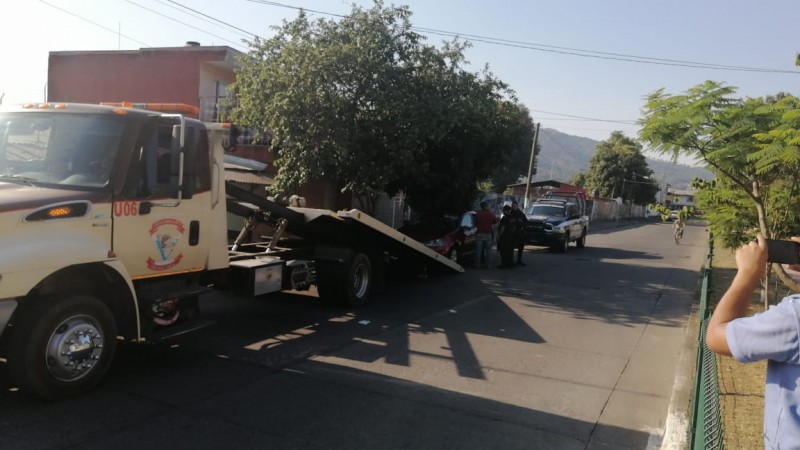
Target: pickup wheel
[
  {"x": 61, "y": 346},
  {"x": 562, "y": 246},
  {"x": 347, "y": 284},
  {"x": 581, "y": 243}
]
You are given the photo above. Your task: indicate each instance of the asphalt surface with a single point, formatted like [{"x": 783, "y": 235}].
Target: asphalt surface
[{"x": 581, "y": 350}]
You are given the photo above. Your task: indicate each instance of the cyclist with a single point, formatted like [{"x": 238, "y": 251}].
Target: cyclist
[{"x": 678, "y": 226}]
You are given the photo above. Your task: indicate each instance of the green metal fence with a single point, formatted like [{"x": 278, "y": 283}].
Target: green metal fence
[{"x": 706, "y": 431}]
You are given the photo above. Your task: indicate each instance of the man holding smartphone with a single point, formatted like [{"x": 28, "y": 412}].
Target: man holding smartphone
[{"x": 773, "y": 335}]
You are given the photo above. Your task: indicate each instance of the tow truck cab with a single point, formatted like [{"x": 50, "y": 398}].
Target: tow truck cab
[{"x": 113, "y": 221}]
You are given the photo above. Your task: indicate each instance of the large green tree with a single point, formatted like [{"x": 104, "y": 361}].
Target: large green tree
[
  {"x": 752, "y": 147},
  {"x": 619, "y": 169},
  {"x": 516, "y": 168},
  {"x": 361, "y": 101}
]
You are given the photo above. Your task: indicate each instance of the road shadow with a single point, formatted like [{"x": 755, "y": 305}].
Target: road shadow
[
  {"x": 275, "y": 332},
  {"x": 611, "y": 226},
  {"x": 657, "y": 295},
  {"x": 608, "y": 226},
  {"x": 313, "y": 405},
  {"x": 254, "y": 379},
  {"x": 596, "y": 253}
]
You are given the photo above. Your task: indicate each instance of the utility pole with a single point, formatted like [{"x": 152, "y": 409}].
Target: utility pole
[{"x": 530, "y": 163}]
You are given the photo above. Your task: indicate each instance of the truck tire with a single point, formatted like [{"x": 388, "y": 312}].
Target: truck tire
[
  {"x": 563, "y": 245},
  {"x": 347, "y": 284},
  {"x": 581, "y": 243},
  {"x": 61, "y": 346}
]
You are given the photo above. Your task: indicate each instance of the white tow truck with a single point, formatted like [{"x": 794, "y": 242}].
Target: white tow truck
[{"x": 113, "y": 221}]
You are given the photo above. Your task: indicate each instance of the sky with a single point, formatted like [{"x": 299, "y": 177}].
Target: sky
[{"x": 582, "y": 67}]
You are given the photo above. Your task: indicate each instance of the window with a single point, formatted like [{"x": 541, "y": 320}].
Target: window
[
  {"x": 59, "y": 149},
  {"x": 467, "y": 221},
  {"x": 153, "y": 172}
]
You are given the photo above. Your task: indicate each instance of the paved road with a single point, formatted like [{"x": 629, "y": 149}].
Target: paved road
[{"x": 574, "y": 351}]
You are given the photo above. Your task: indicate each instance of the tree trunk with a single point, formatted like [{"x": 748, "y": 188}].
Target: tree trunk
[{"x": 778, "y": 268}]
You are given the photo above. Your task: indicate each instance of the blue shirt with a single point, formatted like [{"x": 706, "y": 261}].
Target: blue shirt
[{"x": 774, "y": 335}]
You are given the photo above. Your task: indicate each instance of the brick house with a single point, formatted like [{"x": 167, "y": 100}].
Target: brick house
[{"x": 193, "y": 75}]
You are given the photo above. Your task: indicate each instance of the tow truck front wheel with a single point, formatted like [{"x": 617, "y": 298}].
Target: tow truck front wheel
[
  {"x": 62, "y": 346},
  {"x": 347, "y": 284}
]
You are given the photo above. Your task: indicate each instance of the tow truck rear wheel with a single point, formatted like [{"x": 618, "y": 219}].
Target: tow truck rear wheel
[
  {"x": 347, "y": 284},
  {"x": 61, "y": 346}
]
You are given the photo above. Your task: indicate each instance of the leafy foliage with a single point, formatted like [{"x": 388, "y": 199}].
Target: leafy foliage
[
  {"x": 752, "y": 147},
  {"x": 363, "y": 102},
  {"x": 619, "y": 169},
  {"x": 729, "y": 211}
]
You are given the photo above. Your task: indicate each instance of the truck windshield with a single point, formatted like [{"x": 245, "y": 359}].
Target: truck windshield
[
  {"x": 545, "y": 210},
  {"x": 58, "y": 149}
]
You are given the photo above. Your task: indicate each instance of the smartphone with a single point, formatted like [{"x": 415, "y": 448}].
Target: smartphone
[{"x": 783, "y": 252}]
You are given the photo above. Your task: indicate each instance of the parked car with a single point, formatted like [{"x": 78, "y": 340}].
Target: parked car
[
  {"x": 449, "y": 235},
  {"x": 673, "y": 215}
]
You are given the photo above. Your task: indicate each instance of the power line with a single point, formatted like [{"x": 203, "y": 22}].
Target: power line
[
  {"x": 212, "y": 18},
  {"x": 299, "y": 8},
  {"x": 116, "y": 32},
  {"x": 624, "y": 122},
  {"x": 602, "y": 55},
  {"x": 562, "y": 50},
  {"x": 184, "y": 23}
]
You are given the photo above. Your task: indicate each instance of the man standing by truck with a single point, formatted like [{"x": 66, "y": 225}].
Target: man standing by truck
[
  {"x": 519, "y": 231},
  {"x": 505, "y": 238},
  {"x": 484, "y": 222}
]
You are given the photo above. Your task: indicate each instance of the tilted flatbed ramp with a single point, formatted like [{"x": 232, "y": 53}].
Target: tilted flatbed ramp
[
  {"x": 353, "y": 228},
  {"x": 358, "y": 229}
]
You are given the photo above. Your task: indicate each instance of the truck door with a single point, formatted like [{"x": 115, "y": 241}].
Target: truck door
[
  {"x": 574, "y": 221},
  {"x": 156, "y": 231}
]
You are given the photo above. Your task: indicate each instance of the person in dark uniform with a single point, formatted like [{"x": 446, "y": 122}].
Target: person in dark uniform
[
  {"x": 519, "y": 231},
  {"x": 505, "y": 238}
]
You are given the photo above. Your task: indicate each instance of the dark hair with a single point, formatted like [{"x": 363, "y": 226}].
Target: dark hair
[
  {"x": 514, "y": 204},
  {"x": 484, "y": 205},
  {"x": 506, "y": 207}
]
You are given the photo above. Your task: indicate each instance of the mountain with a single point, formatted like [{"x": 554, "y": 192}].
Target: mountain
[{"x": 562, "y": 156}]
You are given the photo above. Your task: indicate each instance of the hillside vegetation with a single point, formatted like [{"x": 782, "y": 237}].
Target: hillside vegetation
[{"x": 563, "y": 155}]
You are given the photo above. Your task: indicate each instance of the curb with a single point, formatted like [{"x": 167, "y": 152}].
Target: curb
[{"x": 679, "y": 417}]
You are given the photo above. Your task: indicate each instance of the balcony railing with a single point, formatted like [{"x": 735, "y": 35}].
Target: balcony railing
[{"x": 216, "y": 109}]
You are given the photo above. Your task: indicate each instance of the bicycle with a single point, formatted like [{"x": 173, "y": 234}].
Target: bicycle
[{"x": 678, "y": 235}]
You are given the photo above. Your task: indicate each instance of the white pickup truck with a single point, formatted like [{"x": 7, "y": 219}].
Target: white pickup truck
[{"x": 557, "y": 219}]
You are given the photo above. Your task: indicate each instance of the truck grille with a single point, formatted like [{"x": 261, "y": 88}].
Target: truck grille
[{"x": 537, "y": 227}]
